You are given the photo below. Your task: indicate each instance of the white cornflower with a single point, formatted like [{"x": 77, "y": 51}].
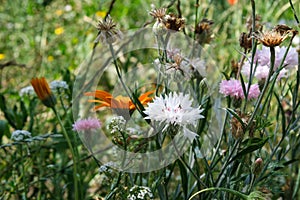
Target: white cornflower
[
  {"x": 174, "y": 109},
  {"x": 19, "y": 135},
  {"x": 54, "y": 85},
  {"x": 26, "y": 91}
]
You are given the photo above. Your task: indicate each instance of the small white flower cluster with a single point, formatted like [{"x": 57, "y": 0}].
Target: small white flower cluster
[
  {"x": 106, "y": 167},
  {"x": 117, "y": 124},
  {"x": 26, "y": 91},
  {"x": 140, "y": 192},
  {"x": 55, "y": 85},
  {"x": 20, "y": 135}
]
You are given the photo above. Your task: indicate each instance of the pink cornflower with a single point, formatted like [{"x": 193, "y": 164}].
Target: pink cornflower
[
  {"x": 233, "y": 88},
  {"x": 253, "y": 92},
  {"x": 86, "y": 124},
  {"x": 291, "y": 60}
]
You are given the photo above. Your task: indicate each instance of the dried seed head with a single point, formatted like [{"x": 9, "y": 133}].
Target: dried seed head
[
  {"x": 173, "y": 22},
  {"x": 270, "y": 38},
  {"x": 237, "y": 129},
  {"x": 258, "y": 23},
  {"x": 245, "y": 41},
  {"x": 158, "y": 13},
  {"x": 234, "y": 66},
  {"x": 203, "y": 31},
  {"x": 107, "y": 31}
]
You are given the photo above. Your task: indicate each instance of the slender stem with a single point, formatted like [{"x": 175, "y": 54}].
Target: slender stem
[
  {"x": 186, "y": 165},
  {"x": 272, "y": 51},
  {"x": 239, "y": 194},
  {"x": 76, "y": 188},
  {"x": 23, "y": 173},
  {"x": 122, "y": 81}
]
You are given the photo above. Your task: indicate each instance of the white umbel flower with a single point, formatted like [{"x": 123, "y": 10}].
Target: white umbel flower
[{"x": 174, "y": 109}]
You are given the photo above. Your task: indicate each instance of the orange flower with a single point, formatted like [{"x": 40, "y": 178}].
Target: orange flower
[
  {"x": 43, "y": 91},
  {"x": 120, "y": 102},
  {"x": 232, "y": 2}
]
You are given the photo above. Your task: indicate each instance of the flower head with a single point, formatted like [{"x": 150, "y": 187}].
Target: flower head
[
  {"x": 139, "y": 193},
  {"x": 272, "y": 38},
  {"x": 43, "y": 91},
  {"x": 26, "y": 91},
  {"x": 233, "y": 88},
  {"x": 119, "y": 102},
  {"x": 19, "y": 135},
  {"x": 158, "y": 13},
  {"x": 173, "y": 109},
  {"x": 86, "y": 124},
  {"x": 107, "y": 31},
  {"x": 55, "y": 85}
]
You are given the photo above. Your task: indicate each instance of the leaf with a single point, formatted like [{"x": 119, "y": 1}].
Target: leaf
[
  {"x": 232, "y": 112},
  {"x": 184, "y": 178},
  {"x": 4, "y": 129},
  {"x": 253, "y": 146}
]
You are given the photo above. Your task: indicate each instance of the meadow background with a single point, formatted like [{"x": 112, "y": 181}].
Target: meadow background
[{"x": 53, "y": 38}]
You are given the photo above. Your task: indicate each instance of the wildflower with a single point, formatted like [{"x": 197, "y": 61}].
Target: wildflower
[
  {"x": 86, "y": 124},
  {"x": 291, "y": 60},
  {"x": 50, "y": 58},
  {"x": 26, "y": 91},
  {"x": 271, "y": 38},
  {"x": 117, "y": 124},
  {"x": 105, "y": 167},
  {"x": 203, "y": 31},
  {"x": 166, "y": 21},
  {"x": 43, "y": 91},
  {"x": 20, "y": 135},
  {"x": 2, "y": 56},
  {"x": 68, "y": 8},
  {"x": 59, "y": 31},
  {"x": 232, "y": 2},
  {"x": 173, "y": 22},
  {"x": 233, "y": 88},
  {"x": 258, "y": 165},
  {"x": 245, "y": 41},
  {"x": 55, "y": 85},
  {"x": 107, "y": 31},
  {"x": 140, "y": 193},
  {"x": 158, "y": 13},
  {"x": 120, "y": 102},
  {"x": 258, "y": 23},
  {"x": 174, "y": 109},
  {"x": 101, "y": 14}
]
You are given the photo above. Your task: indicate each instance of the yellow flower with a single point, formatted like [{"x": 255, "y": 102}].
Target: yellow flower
[
  {"x": 43, "y": 91},
  {"x": 59, "y": 12},
  {"x": 101, "y": 14},
  {"x": 119, "y": 102},
  {"x": 50, "y": 58},
  {"x": 2, "y": 56},
  {"x": 59, "y": 31}
]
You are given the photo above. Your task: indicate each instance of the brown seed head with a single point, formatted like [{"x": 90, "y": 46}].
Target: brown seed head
[
  {"x": 107, "y": 30},
  {"x": 173, "y": 23},
  {"x": 258, "y": 23},
  {"x": 158, "y": 13},
  {"x": 203, "y": 31},
  {"x": 270, "y": 38},
  {"x": 245, "y": 41}
]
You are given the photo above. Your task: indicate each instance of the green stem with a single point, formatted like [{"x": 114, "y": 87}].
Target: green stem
[
  {"x": 272, "y": 59},
  {"x": 239, "y": 194},
  {"x": 23, "y": 173},
  {"x": 72, "y": 152}
]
